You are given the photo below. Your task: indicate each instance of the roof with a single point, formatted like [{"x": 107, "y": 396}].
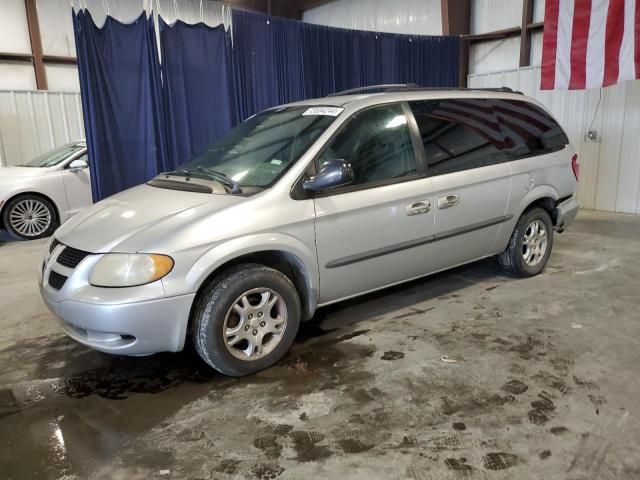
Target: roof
[{"x": 367, "y": 96}]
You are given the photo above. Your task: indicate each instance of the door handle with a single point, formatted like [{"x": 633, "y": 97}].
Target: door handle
[
  {"x": 449, "y": 201},
  {"x": 418, "y": 208}
]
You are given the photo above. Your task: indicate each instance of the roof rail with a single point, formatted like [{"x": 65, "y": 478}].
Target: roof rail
[
  {"x": 412, "y": 87},
  {"x": 467, "y": 89},
  {"x": 384, "y": 87}
]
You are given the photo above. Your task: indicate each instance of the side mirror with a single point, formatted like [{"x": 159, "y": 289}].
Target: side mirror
[
  {"x": 333, "y": 173},
  {"x": 78, "y": 164}
]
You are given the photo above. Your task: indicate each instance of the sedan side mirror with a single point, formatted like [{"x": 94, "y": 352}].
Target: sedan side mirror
[
  {"x": 78, "y": 164},
  {"x": 333, "y": 173}
]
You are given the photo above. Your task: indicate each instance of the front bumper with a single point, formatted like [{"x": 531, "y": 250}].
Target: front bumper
[
  {"x": 566, "y": 213},
  {"x": 126, "y": 321},
  {"x": 139, "y": 328}
]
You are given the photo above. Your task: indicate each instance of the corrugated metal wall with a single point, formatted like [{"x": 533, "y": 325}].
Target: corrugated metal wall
[
  {"x": 34, "y": 122},
  {"x": 610, "y": 166}
]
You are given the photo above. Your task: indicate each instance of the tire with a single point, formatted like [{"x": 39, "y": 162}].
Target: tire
[
  {"x": 41, "y": 223},
  {"x": 220, "y": 309},
  {"x": 514, "y": 260}
]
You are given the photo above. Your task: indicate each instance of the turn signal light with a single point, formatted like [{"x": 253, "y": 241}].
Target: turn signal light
[{"x": 575, "y": 166}]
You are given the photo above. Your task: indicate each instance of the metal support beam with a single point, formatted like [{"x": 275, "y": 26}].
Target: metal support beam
[
  {"x": 456, "y": 20},
  {"x": 27, "y": 57},
  {"x": 55, "y": 59},
  {"x": 525, "y": 34},
  {"x": 36, "y": 43}
]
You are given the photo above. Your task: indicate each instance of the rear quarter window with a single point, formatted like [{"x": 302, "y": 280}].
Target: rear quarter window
[{"x": 528, "y": 130}]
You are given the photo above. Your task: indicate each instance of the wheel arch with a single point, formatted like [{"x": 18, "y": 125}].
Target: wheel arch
[
  {"x": 56, "y": 209},
  {"x": 545, "y": 197},
  {"x": 287, "y": 256}
]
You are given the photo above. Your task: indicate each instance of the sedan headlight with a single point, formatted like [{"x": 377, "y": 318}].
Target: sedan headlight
[{"x": 129, "y": 270}]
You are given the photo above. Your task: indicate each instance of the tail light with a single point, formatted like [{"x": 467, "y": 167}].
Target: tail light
[{"x": 575, "y": 166}]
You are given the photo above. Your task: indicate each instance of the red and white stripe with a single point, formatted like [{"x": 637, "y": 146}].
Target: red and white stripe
[{"x": 590, "y": 43}]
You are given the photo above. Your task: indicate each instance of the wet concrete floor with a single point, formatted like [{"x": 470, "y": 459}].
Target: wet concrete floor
[{"x": 541, "y": 382}]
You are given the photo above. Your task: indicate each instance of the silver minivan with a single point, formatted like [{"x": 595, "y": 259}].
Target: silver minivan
[{"x": 308, "y": 204}]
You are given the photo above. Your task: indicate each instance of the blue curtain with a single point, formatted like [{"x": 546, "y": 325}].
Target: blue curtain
[
  {"x": 122, "y": 102},
  {"x": 278, "y": 60},
  {"x": 138, "y": 125},
  {"x": 197, "y": 86},
  {"x": 267, "y": 53}
]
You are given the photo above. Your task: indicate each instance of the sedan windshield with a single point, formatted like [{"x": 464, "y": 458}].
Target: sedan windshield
[
  {"x": 55, "y": 156},
  {"x": 258, "y": 151}
]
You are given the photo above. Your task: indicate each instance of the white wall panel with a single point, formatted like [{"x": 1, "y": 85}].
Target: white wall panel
[
  {"x": 538, "y": 11},
  {"x": 62, "y": 78},
  {"x": 494, "y": 55},
  {"x": 416, "y": 17},
  {"x": 17, "y": 76},
  {"x": 536, "y": 49},
  {"x": 14, "y": 33},
  {"x": 609, "y": 167},
  {"x": 56, "y": 27},
  {"x": 491, "y": 15},
  {"x": 628, "y": 196},
  {"x": 34, "y": 122}
]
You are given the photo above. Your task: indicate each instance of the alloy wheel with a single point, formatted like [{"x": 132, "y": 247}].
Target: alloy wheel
[
  {"x": 30, "y": 218},
  {"x": 255, "y": 324},
  {"x": 534, "y": 243}
]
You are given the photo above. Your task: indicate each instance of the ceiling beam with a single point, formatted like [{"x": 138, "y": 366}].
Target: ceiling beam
[{"x": 456, "y": 20}]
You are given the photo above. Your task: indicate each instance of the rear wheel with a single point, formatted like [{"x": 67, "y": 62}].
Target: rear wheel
[
  {"x": 30, "y": 217},
  {"x": 530, "y": 245},
  {"x": 246, "y": 320}
]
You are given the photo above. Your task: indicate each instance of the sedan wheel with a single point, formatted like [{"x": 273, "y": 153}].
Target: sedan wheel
[{"x": 29, "y": 217}]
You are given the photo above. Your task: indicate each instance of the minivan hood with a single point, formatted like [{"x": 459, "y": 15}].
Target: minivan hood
[{"x": 108, "y": 224}]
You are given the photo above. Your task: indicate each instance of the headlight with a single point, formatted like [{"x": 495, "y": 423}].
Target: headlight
[{"x": 129, "y": 270}]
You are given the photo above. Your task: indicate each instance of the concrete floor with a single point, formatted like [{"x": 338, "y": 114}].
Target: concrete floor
[{"x": 545, "y": 383}]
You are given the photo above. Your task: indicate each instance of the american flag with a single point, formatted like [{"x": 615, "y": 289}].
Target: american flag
[{"x": 590, "y": 43}]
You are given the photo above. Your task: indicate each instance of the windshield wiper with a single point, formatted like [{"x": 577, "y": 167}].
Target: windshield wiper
[
  {"x": 183, "y": 171},
  {"x": 223, "y": 178}
]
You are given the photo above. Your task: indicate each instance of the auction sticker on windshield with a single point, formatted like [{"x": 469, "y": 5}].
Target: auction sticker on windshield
[{"x": 329, "y": 111}]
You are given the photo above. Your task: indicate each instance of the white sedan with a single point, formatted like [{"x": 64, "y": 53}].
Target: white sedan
[{"x": 38, "y": 196}]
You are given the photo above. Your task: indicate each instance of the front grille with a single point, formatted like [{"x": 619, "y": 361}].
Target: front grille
[
  {"x": 70, "y": 257},
  {"x": 53, "y": 246},
  {"x": 56, "y": 281}
]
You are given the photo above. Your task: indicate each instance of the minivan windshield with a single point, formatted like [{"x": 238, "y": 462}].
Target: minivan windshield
[
  {"x": 55, "y": 156},
  {"x": 258, "y": 151}
]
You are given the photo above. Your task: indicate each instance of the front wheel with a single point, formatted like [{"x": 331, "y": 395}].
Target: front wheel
[
  {"x": 30, "y": 217},
  {"x": 246, "y": 320},
  {"x": 530, "y": 245}
]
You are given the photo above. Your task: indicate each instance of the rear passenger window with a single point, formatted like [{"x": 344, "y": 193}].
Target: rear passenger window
[
  {"x": 528, "y": 130},
  {"x": 458, "y": 134}
]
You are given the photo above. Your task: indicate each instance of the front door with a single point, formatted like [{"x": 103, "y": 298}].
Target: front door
[
  {"x": 471, "y": 180},
  {"x": 378, "y": 230},
  {"x": 77, "y": 185}
]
